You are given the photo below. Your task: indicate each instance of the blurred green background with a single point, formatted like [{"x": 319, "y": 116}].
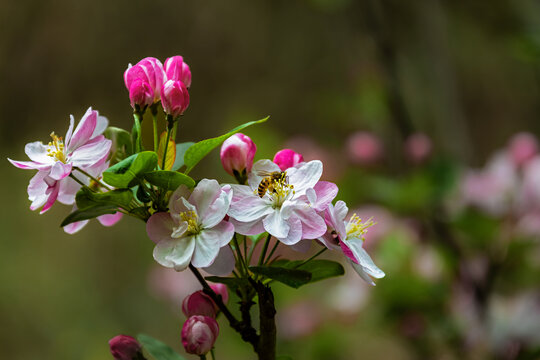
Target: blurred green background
[{"x": 464, "y": 72}]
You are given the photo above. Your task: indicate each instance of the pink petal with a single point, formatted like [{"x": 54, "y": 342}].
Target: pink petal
[
  {"x": 70, "y": 129},
  {"x": 60, "y": 170},
  {"x": 247, "y": 206},
  {"x": 84, "y": 130},
  {"x": 37, "y": 152},
  {"x": 26, "y": 165},
  {"x": 68, "y": 190},
  {"x": 110, "y": 219},
  {"x": 313, "y": 225},
  {"x": 101, "y": 125},
  {"x": 51, "y": 199},
  {"x": 74, "y": 227},
  {"x": 224, "y": 263},
  {"x": 295, "y": 231},
  {"x": 348, "y": 252},
  {"x": 91, "y": 153},
  {"x": 204, "y": 195},
  {"x": 305, "y": 176},
  {"x": 326, "y": 192},
  {"x": 160, "y": 227},
  {"x": 248, "y": 228}
]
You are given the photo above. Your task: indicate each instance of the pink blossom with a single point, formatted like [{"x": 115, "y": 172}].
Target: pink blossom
[
  {"x": 522, "y": 148},
  {"x": 174, "y": 98},
  {"x": 199, "y": 303},
  {"x": 150, "y": 71},
  {"x": 349, "y": 237},
  {"x": 124, "y": 347},
  {"x": 418, "y": 147},
  {"x": 140, "y": 94},
  {"x": 194, "y": 231},
  {"x": 285, "y": 212},
  {"x": 199, "y": 334},
  {"x": 176, "y": 69},
  {"x": 237, "y": 153},
  {"x": 364, "y": 148},
  {"x": 287, "y": 158},
  {"x": 83, "y": 148}
]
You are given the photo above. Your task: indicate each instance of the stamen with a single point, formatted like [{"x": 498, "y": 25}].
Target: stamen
[
  {"x": 56, "y": 148},
  {"x": 357, "y": 228},
  {"x": 281, "y": 190},
  {"x": 191, "y": 218}
]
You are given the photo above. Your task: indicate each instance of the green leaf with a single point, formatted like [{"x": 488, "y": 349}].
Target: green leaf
[
  {"x": 169, "y": 180},
  {"x": 291, "y": 277},
  {"x": 121, "y": 143},
  {"x": 199, "y": 150},
  {"x": 232, "y": 283},
  {"x": 88, "y": 213},
  {"x": 157, "y": 349},
  {"x": 180, "y": 152},
  {"x": 86, "y": 198},
  {"x": 126, "y": 173},
  {"x": 319, "y": 269}
]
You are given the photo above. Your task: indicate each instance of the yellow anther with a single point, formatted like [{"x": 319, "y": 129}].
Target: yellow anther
[
  {"x": 56, "y": 148},
  {"x": 191, "y": 218},
  {"x": 357, "y": 228}
]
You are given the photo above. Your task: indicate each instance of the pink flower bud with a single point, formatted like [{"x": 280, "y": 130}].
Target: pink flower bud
[
  {"x": 149, "y": 70},
  {"x": 174, "y": 98},
  {"x": 198, "y": 303},
  {"x": 287, "y": 158},
  {"x": 140, "y": 93},
  {"x": 418, "y": 147},
  {"x": 522, "y": 147},
  {"x": 124, "y": 347},
  {"x": 199, "y": 334},
  {"x": 364, "y": 147},
  {"x": 221, "y": 289},
  {"x": 176, "y": 69},
  {"x": 237, "y": 153}
]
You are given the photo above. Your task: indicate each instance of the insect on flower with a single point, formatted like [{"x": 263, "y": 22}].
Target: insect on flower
[{"x": 271, "y": 180}]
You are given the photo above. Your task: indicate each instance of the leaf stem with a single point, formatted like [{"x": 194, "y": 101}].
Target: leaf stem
[
  {"x": 169, "y": 129},
  {"x": 265, "y": 248},
  {"x": 92, "y": 178},
  {"x": 311, "y": 258},
  {"x": 272, "y": 251}
]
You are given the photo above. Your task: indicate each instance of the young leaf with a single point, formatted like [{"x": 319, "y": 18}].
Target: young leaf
[
  {"x": 85, "y": 198},
  {"x": 88, "y": 213},
  {"x": 169, "y": 180},
  {"x": 121, "y": 143},
  {"x": 157, "y": 349},
  {"x": 319, "y": 269},
  {"x": 125, "y": 173},
  {"x": 171, "y": 151},
  {"x": 291, "y": 277},
  {"x": 199, "y": 150},
  {"x": 180, "y": 152}
]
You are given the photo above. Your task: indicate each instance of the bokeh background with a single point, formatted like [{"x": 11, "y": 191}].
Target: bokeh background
[{"x": 346, "y": 81}]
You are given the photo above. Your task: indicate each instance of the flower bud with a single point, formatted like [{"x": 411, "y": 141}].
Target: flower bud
[
  {"x": 522, "y": 148},
  {"x": 287, "y": 158},
  {"x": 124, "y": 347},
  {"x": 198, "y": 303},
  {"x": 418, "y": 147},
  {"x": 199, "y": 334},
  {"x": 237, "y": 153},
  {"x": 176, "y": 69},
  {"x": 149, "y": 70},
  {"x": 140, "y": 94},
  {"x": 174, "y": 98},
  {"x": 221, "y": 289}
]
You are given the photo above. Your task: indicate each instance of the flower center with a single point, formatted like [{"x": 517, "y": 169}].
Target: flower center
[
  {"x": 280, "y": 190},
  {"x": 56, "y": 148},
  {"x": 191, "y": 218},
  {"x": 357, "y": 228}
]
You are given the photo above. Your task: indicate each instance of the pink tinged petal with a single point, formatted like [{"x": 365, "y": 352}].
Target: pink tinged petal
[
  {"x": 60, "y": 170},
  {"x": 175, "y": 253},
  {"x": 92, "y": 153},
  {"x": 329, "y": 241},
  {"x": 326, "y": 192},
  {"x": 224, "y": 263},
  {"x": 159, "y": 227},
  {"x": 276, "y": 225},
  {"x": 175, "y": 204},
  {"x": 313, "y": 225},
  {"x": 70, "y": 129},
  {"x": 264, "y": 165},
  {"x": 335, "y": 218},
  {"x": 83, "y": 131},
  {"x": 204, "y": 195},
  {"x": 208, "y": 243},
  {"x": 287, "y": 158},
  {"x": 217, "y": 211},
  {"x": 52, "y": 198},
  {"x": 247, "y": 206},
  {"x": 348, "y": 252},
  {"x": 305, "y": 176},
  {"x": 110, "y": 219},
  {"x": 295, "y": 231},
  {"x": 68, "y": 190},
  {"x": 248, "y": 228},
  {"x": 198, "y": 303},
  {"x": 37, "y": 190},
  {"x": 101, "y": 124},
  {"x": 27, "y": 165},
  {"x": 74, "y": 227},
  {"x": 37, "y": 152},
  {"x": 363, "y": 258}
]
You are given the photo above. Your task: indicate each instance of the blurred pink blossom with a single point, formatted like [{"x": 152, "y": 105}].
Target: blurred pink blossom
[
  {"x": 364, "y": 148},
  {"x": 418, "y": 147},
  {"x": 522, "y": 147}
]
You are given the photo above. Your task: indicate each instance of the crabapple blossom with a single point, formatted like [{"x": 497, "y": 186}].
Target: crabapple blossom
[
  {"x": 176, "y": 69},
  {"x": 174, "y": 98},
  {"x": 150, "y": 71},
  {"x": 287, "y": 158},
  {"x": 83, "y": 148},
  {"x": 199, "y": 334},
  {"x": 194, "y": 230},
  {"x": 237, "y": 153},
  {"x": 284, "y": 212},
  {"x": 349, "y": 237},
  {"x": 124, "y": 347}
]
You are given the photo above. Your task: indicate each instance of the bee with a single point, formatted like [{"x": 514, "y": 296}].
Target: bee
[{"x": 267, "y": 183}]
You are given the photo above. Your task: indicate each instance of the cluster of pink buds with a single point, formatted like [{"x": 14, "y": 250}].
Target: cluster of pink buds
[
  {"x": 149, "y": 82},
  {"x": 201, "y": 329}
]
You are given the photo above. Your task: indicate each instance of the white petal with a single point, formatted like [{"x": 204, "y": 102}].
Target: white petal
[
  {"x": 247, "y": 206},
  {"x": 363, "y": 258},
  {"x": 37, "y": 152},
  {"x": 175, "y": 204},
  {"x": 276, "y": 225},
  {"x": 204, "y": 195},
  {"x": 208, "y": 243},
  {"x": 159, "y": 227},
  {"x": 70, "y": 129},
  {"x": 176, "y": 253},
  {"x": 68, "y": 190},
  {"x": 224, "y": 263},
  {"x": 302, "y": 246},
  {"x": 305, "y": 176},
  {"x": 313, "y": 225},
  {"x": 295, "y": 231},
  {"x": 92, "y": 153},
  {"x": 248, "y": 228},
  {"x": 101, "y": 125}
]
